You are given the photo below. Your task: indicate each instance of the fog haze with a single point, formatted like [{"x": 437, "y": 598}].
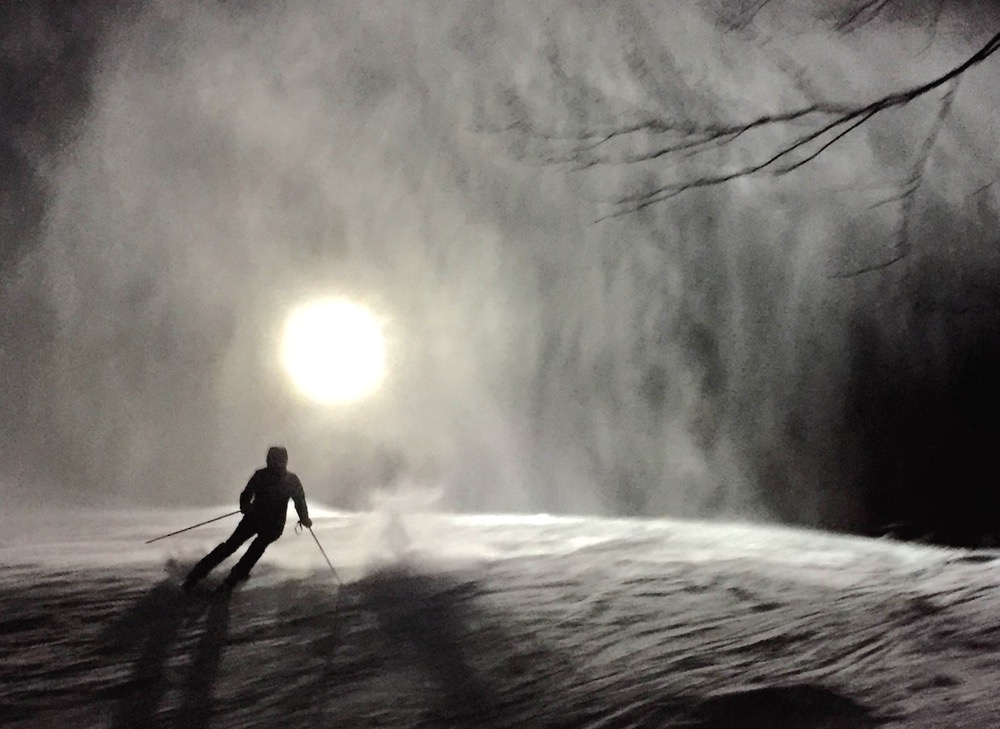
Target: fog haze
[{"x": 179, "y": 175}]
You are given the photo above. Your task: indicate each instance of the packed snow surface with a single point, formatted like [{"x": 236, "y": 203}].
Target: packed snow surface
[{"x": 493, "y": 621}]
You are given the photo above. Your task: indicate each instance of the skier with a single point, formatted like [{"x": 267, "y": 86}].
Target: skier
[{"x": 264, "y": 503}]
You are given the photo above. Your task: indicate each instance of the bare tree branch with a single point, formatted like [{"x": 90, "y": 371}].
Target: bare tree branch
[
  {"x": 847, "y": 120},
  {"x": 818, "y": 152},
  {"x": 705, "y": 135},
  {"x": 981, "y": 189},
  {"x": 865, "y": 12},
  {"x": 912, "y": 185},
  {"x": 747, "y": 17}
]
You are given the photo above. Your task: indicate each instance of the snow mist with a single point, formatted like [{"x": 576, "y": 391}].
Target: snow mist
[{"x": 455, "y": 172}]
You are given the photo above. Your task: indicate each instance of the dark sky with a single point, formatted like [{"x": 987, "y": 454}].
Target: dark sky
[{"x": 178, "y": 175}]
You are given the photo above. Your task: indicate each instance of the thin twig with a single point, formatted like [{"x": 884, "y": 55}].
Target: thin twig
[{"x": 852, "y": 119}]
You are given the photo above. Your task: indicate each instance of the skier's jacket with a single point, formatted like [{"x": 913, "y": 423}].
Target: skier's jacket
[{"x": 265, "y": 500}]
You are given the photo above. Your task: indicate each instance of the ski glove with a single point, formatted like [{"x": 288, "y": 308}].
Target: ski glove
[{"x": 306, "y": 522}]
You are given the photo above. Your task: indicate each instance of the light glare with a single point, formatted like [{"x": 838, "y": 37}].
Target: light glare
[{"x": 333, "y": 350}]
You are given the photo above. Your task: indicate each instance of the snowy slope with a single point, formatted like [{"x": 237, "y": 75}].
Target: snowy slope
[{"x": 494, "y": 621}]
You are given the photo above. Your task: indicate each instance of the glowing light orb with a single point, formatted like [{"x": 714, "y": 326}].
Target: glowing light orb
[{"x": 334, "y": 351}]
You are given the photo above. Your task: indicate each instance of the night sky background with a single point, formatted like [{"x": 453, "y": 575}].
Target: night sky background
[{"x": 817, "y": 347}]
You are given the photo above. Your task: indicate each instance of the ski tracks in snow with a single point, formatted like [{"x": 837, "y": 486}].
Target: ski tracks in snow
[{"x": 608, "y": 624}]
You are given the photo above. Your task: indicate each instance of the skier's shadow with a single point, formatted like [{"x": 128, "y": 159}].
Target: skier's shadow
[
  {"x": 425, "y": 617},
  {"x": 149, "y": 629},
  {"x": 324, "y": 682},
  {"x": 196, "y": 701}
]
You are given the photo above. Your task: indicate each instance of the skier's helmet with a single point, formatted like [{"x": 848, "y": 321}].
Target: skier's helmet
[{"x": 277, "y": 457}]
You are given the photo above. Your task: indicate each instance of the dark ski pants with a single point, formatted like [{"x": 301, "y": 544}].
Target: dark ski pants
[{"x": 245, "y": 529}]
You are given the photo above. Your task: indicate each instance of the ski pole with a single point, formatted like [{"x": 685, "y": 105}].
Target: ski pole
[
  {"x": 187, "y": 529},
  {"x": 324, "y": 556}
]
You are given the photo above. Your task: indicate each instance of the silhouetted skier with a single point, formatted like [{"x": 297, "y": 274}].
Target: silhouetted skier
[{"x": 264, "y": 503}]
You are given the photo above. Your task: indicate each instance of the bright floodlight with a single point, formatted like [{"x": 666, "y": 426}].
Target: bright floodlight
[{"x": 334, "y": 351}]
